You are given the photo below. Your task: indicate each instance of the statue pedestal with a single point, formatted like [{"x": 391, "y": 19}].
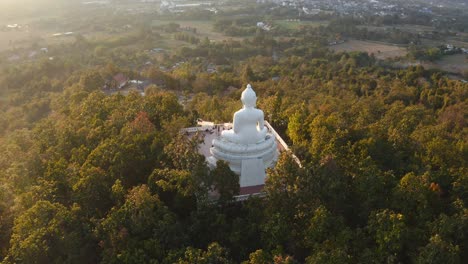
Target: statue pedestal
[
  {"x": 252, "y": 172},
  {"x": 234, "y": 153},
  {"x": 247, "y": 160}
]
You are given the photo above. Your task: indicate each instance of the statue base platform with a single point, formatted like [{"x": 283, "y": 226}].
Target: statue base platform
[{"x": 247, "y": 160}]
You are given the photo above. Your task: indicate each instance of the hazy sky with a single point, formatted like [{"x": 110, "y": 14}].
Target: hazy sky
[
  {"x": 10, "y": 9},
  {"x": 34, "y": 3}
]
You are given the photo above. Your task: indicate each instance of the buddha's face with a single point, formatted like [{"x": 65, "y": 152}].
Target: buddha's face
[{"x": 249, "y": 98}]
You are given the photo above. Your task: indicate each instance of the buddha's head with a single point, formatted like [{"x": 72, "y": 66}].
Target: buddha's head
[{"x": 249, "y": 98}]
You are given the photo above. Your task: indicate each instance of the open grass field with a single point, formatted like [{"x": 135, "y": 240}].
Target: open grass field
[
  {"x": 12, "y": 39},
  {"x": 406, "y": 28},
  {"x": 380, "y": 50},
  {"x": 454, "y": 64},
  {"x": 24, "y": 39},
  {"x": 204, "y": 28},
  {"x": 296, "y": 24},
  {"x": 449, "y": 40},
  {"x": 459, "y": 40},
  {"x": 27, "y": 35},
  {"x": 457, "y": 63}
]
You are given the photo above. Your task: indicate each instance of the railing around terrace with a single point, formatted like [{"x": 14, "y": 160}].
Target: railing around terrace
[{"x": 283, "y": 143}]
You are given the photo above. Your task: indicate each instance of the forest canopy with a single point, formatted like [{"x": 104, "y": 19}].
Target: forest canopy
[{"x": 92, "y": 176}]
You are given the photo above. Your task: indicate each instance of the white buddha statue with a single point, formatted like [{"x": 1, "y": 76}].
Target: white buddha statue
[
  {"x": 248, "y": 124},
  {"x": 247, "y": 147}
]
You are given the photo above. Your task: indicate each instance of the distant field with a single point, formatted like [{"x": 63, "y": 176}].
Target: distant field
[
  {"x": 11, "y": 39},
  {"x": 453, "y": 41},
  {"x": 418, "y": 29},
  {"x": 406, "y": 28},
  {"x": 380, "y": 50},
  {"x": 296, "y": 24},
  {"x": 415, "y": 29},
  {"x": 453, "y": 63},
  {"x": 22, "y": 39},
  {"x": 3, "y": 98},
  {"x": 204, "y": 28}
]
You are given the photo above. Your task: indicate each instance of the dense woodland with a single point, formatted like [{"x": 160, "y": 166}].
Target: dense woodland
[{"x": 87, "y": 177}]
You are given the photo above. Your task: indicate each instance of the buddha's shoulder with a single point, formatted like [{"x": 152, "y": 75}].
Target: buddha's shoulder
[
  {"x": 258, "y": 111},
  {"x": 248, "y": 112}
]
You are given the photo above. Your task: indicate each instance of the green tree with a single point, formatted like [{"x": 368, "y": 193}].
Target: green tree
[
  {"x": 439, "y": 251},
  {"x": 225, "y": 181},
  {"x": 6, "y": 218},
  {"x": 91, "y": 81},
  {"x": 247, "y": 75},
  {"x": 176, "y": 188},
  {"x": 328, "y": 238},
  {"x": 93, "y": 190},
  {"x": 215, "y": 254},
  {"x": 47, "y": 233},
  {"x": 142, "y": 230},
  {"x": 289, "y": 196},
  {"x": 183, "y": 154},
  {"x": 298, "y": 127},
  {"x": 258, "y": 257},
  {"x": 390, "y": 235}
]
